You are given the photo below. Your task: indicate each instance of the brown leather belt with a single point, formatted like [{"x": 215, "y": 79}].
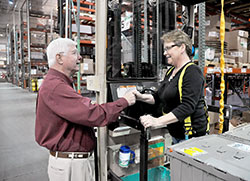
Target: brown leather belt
[{"x": 76, "y": 155}]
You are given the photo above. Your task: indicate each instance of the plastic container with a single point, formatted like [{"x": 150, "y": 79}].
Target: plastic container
[
  {"x": 240, "y": 134},
  {"x": 212, "y": 157},
  {"x": 159, "y": 173}
]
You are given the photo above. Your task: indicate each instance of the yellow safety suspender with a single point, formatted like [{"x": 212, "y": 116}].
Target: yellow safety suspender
[{"x": 187, "y": 121}]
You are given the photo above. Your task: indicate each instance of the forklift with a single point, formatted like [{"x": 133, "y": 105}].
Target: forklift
[{"x": 129, "y": 55}]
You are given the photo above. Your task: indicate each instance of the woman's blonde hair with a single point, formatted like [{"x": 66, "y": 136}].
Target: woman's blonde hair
[{"x": 179, "y": 38}]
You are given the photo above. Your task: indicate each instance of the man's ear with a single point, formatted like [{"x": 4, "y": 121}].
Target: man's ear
[{"x": 59, "y": 59}]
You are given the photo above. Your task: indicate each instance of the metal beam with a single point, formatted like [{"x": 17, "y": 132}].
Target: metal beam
[
  {"x": 146, "y": 28},
  {"x": 67, "y": 19},
  {"x": 28, "y": 39},
  {"x": 100, "y": 67},
  {"x": 238, "y": 7},
  {"x": 243, "y": 9},
  {"x": 21, "y": 45},
  {"x": 78, "y": 44},
  {"x": 202, "y": 31}
]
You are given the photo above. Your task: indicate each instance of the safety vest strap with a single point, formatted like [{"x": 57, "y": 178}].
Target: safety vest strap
[
  {"x": 170, "y": 70},
  {"x": 181, "y": 79},
  {"x": 187, "y": 121}
]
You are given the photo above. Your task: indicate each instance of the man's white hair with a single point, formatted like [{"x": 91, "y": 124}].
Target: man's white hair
[{"x": 60, "y": 45}]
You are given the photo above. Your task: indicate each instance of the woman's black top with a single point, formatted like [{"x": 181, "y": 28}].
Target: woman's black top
[{"x": 192, "y": 101}]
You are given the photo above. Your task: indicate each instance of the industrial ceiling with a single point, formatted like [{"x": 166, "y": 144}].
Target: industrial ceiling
[
  {"x": 37, "y": 6},
  {"x": 238, "y": 10}
]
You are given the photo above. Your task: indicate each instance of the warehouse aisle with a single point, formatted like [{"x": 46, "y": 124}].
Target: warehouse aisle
[{"x": 21, "y": 158}]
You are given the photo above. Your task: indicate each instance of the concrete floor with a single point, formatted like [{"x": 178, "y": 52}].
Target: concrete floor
[{"x": 21, "y": 158}]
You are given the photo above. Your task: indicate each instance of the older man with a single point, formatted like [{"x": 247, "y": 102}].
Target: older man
[{"x": 65, "y": 119}]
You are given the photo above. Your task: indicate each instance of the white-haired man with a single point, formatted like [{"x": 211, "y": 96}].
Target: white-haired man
[{"x": 65, "y": 119}]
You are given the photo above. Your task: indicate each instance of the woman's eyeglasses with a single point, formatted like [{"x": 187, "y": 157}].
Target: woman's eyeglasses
[{"x": 168, "y": 48}]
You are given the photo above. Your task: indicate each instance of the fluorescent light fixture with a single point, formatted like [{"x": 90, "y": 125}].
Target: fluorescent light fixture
[{"x": 11, "y": 2}]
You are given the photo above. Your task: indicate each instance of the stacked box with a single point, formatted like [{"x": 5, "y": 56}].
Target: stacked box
[
  {"x": 36, "y": 55},
  {"x": 237, "y": 45},
  {"x": 213, "y": 27},
  {"x": 214, "y": 22},
  {"x": 83, "y": 29},
  {"x": 227, "y": 58},
  {"x": 37, "y": 38}
]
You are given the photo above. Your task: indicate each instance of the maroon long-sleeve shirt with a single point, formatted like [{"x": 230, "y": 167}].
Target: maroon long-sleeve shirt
[{"x": 65, "y": 119}]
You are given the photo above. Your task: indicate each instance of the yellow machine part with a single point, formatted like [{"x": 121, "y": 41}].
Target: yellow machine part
[
  {"x": 34, "y": 85},
  {"x": 222, "y": 65}
]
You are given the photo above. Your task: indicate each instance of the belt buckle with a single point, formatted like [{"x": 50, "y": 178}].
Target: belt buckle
[
  {"x": 77, "y": 155},
  {"x": 80, "y": 156},
  {"x": 71, "y": 155}
]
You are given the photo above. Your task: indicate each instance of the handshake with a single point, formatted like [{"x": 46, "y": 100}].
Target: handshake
[
  {"x": 134, "y": 95},
  {"x": 131, "y": 97}
]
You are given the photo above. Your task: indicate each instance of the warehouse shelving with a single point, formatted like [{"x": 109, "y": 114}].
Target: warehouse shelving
[
  {"x": 236, "y": 79},
  {"x": 3, "y": 56},
  {"x": 81, "y": 15},
  {"x": 27, "y": 54}
]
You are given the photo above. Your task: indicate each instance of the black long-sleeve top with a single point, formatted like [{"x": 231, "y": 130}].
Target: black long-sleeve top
[{"x": 192, "y": 101}]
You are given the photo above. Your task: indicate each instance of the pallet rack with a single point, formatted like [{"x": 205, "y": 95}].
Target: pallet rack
[
  {"x": 70, "y": 28},
  {"x": 21, "y": 48},
  {"x": 231, "y": 75}
]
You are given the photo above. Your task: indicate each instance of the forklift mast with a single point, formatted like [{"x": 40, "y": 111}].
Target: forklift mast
[
  {"x": 134, "y": 29},
  {"x": 128, "y": 46}
]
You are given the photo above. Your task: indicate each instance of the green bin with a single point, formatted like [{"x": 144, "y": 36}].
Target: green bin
[{"x": 159, "y": 173}]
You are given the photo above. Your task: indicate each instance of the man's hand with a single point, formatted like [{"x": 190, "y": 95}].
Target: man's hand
[
  {"x": 138, "y": 95},
  {"x": 130, "y": 97}
]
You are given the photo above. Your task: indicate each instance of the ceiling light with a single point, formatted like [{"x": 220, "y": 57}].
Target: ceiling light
[
  {"x": 1, "y": 34},
  {"x": 11, "y": 2},
  {"x": 232, "y": 3}
]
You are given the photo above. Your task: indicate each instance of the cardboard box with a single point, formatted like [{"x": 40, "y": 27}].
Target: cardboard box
[
  {"x": 235, "y": 41},
  {"x": 36, "y": 55},
  {"x": 246, "y": 116},
  {"x": 240, "y": 55},
  {"x": 156, "y": 149},
  {"x": 240, "y": 33},
  {"x": 227, "y": 58},
  {"x": 214, "y": 22},
  {"x": 212, "y": 34},
  {"x": 87, "y": 67},
  {"x": 214, "y": 117},
  {"x": 83, "y": 29},
  {"x": 37, "y": 38}
]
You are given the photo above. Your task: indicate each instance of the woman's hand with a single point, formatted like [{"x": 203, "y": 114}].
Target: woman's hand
[
  {"x": 148, "y": 98},
  {"x": 148, "y": 121}
]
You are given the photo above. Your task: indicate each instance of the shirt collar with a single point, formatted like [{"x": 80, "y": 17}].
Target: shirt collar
[{"x": 60, "y": 74}]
